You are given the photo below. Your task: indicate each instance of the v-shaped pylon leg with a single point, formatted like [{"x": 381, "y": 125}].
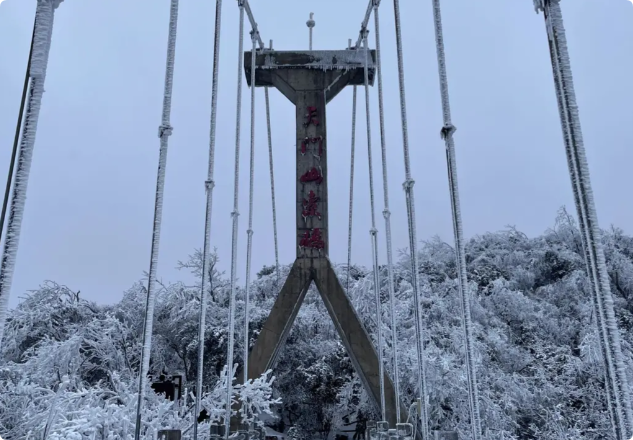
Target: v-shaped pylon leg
[
  {"x": 274, "y": 333},
  {"x": 355, "y": 338}
]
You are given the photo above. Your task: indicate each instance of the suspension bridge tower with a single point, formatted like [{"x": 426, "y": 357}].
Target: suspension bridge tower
[{"x": 311, "y": 79}]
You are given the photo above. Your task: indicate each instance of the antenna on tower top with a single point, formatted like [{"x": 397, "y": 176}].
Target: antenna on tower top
[{"x": 310, "y": 23}]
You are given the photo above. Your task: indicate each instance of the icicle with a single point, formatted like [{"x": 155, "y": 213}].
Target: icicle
[
  {"x": 164, "y": 131},
  {"x": 44, "y": 17}
]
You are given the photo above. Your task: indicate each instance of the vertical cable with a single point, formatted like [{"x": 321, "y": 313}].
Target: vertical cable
[
  {"x": 374, "y": 237},
  {"x": 272, "y": 181},
  {"x": 351, "y": 190},
  {"x": 235, "y": 214},
  {"x": 387, "y": 214},
  {"x": 460, "y": 253},
  {"x": 249, "y": 245},
  {"x": 209, "y": 185},
  {"x": 164, "y": 131},
  {"x": 413, "y": 244}
]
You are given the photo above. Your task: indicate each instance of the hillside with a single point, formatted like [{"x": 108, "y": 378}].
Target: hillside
[{"x": 539, "y": 369}]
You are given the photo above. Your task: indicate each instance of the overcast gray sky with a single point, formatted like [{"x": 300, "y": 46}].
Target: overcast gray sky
[{"x": 90, "y": 201}]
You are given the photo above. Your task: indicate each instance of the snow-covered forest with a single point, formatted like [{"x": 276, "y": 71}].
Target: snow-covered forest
[{"x": 70, "y": 367}]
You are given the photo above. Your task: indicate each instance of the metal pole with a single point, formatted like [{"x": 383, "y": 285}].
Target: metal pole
[{"x": 310, "y": 23}]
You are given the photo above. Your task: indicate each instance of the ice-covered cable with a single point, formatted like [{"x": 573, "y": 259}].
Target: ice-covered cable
[
  {"x": 387, "y": 214},
  {"x": 460, "y": 253},
  {"x": 351, "y": 189},
  {"x": 164, "y": 131},
  {"x": 16, "y": 139},
  {"x": 44, "y": 17},
  {"x": 209, "y": 185},
  {"x": 235, "y": 214},
  {"x": 249, "y": 243},
  {"x": 567, "y": 137},
  {"x": 617, "y": 385},
  {"x": 410, "y": 202},
  {"x": 272, "y": 182},
  {"x": 374, "y": 236},
  {"x": 614, "y": 366}
]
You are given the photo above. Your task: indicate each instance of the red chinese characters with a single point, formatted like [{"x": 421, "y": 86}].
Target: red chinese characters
[
  {"x": 313, "y": 175},
  {"x": 310, "y": 206},
  {"x": 311, "y": 117},
  {"x": 312, "y": 240},
  {"x": 315, "y": 140}
]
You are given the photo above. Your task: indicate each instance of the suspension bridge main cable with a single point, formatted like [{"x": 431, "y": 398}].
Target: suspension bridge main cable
[
  {"x": 164, "y": 131},
  {"x": 235, "y": 214},
  {"x": 363, "y": 25},
  {"x": 351, "y": 183},
  {"x": 618, "y": 395},
  {"x": 410, "y": 202},
  {"x": 460, "y": 253},
  {"x": 374, "y": 237},
  {"x": 209, "y": 185},
  {"x": 387, "y": 213},
  {"x": 42, "y": 34},
  {"x": 16, "y": 139}
]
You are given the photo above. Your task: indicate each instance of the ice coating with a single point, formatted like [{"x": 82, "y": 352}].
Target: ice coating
[
  {"x": 44, "y": 16},
  {"x": 460, "y": 253},
  {"x": 209, "y": 185},
  {"x": 618, "y": 395},
  {"x": 323, "y": 60},
  {"x": 164, "y": 131}
]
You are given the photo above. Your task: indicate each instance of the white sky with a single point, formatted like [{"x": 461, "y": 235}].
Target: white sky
[{"x": 89, "y": 212}]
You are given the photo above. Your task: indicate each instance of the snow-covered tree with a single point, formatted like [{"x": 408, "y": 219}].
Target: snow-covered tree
[{"x": 73, "y": 365}]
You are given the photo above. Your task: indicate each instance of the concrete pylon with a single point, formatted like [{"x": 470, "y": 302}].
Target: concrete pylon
[{"x": 310, "y": 79}]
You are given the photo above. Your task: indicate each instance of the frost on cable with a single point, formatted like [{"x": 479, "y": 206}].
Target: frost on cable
[
  {"x": 617, "y": 389},
  {"x": 165, "y": 130},
  {"x": 460, "y": 254},
  {"x": 44, "y": 15}
]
